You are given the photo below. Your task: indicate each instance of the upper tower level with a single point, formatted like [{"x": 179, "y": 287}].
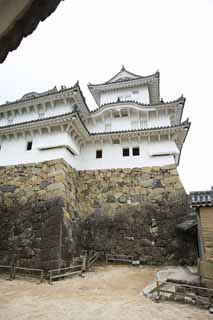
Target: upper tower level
[{"x": 127, "y": 86}]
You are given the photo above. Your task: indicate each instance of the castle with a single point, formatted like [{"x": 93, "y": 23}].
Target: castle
[
  {"x": 74, "y": 179},
  {"x": 131, "y": 123}
]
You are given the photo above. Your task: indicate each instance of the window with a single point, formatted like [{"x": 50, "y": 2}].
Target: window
[
  {"x": 29, "y": 145},
  {"x": 125, "y": 152},
  {"x": 108, "y": 127},
  {"x": 135, "y": 91},
  {"x": 41, "y": 115},
  {"x": 10, "y": 120},
  {"x": 135, "y": 151},
  {"x": 116, "y": 114},
  {"x": 115, "y": 141},
  {"x": 98, "y": 154},
  {"x": 0, "y": 147},
  {"x": 128, "y": 96},
  {"x": 124, "y": 113}
]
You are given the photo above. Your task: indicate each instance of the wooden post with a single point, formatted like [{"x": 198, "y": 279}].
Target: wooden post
[
  {"x": 11, "y": 273},
  {"x": 158, "y": 290},
  {"x": 84, "y": 263},
  {"x": 50, "y": 277},
  {"x": 42, "y": 276}
]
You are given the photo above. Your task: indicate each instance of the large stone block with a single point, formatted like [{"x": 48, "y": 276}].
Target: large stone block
[{"x": 50, "y": 212}]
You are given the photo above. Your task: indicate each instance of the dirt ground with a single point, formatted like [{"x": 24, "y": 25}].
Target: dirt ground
[{"x": 111, "y": 292}]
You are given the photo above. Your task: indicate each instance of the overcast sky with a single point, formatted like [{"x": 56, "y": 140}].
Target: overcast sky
[{"x": 90, "y": 40}]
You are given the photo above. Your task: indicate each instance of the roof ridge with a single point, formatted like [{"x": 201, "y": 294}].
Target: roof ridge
[
  {"x": 156, "y": 74},
  {"x": 40, "y": 95}
]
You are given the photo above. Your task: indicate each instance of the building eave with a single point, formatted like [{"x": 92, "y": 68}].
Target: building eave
[
  {"x": 184, "y": 138},
  {"x": 184, "y": 125},
  {"x": 137, "y": 77},
  {"x": 176, "y": 105},
  {"x": 147, "y": 105},
  {"x": 151, "y": 81},
  {"x": 45, "y": 122},
  {"x": 22, "y": 22},
  {"x": 74, "y": 91},
  {"x": 71, "y": 115}
]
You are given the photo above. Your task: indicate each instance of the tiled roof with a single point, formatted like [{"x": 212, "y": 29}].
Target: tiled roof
[
  {"x": 126, "y": 79},
  {"x": 183, "y": 124},
  {"x": 24, "y": 24},
  {"x": 37, "y": 120},
  {"x": 201, "y": 198},
  {"x": 161, "y": 103},
  {"x": 186, "y": 124},
  {"x": 34, "y": 95}
]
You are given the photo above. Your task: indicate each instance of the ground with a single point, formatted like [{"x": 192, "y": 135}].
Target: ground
[{"x": 108, "y": 293}]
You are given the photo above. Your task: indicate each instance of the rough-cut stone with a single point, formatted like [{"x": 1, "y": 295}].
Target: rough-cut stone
[{"x": 49, "y": 213}]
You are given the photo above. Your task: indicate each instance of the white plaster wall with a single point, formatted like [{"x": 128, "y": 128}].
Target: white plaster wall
[
  {"x": 133, "y": 121},
  {"x": 56, "y": 139},
  {"x": 126, "y": 94},
  {"x": 113, "y": 157},
  {"x": 14, "y": 151},
  {"x": 25, "y": 116}
]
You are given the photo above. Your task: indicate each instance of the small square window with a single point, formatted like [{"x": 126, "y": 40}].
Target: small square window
[
  {"x": 116, "y": 114},
  {"x": 115, "y": 141},
  {"x": 29, "y": 145},
  {"x": 136, "y": 151},
  {"x": 98, "y": 154},
  {"x": 10, "y": 120},
  {"x": 124, "y": 113},
  {"x": 41, "y": 115},
  {"x": 125, "y": 152}
]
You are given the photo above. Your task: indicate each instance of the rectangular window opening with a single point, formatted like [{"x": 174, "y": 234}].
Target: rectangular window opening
[
  {"x": 10, "y": 121},
  {"x": 135, "y": 151},
  {"x": 125, "y": 152},
  {"x": 98, "y": 154},
  {"x": 116, "y": 115},
  {"x": 115, "y": 141},
  {"x": 41, "y": 115},
  {"x": 29, "y": 145},
  {"x": 124, "y": 113}
]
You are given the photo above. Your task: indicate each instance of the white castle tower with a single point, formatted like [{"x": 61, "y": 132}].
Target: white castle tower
[{"x": 131, "y": 127}]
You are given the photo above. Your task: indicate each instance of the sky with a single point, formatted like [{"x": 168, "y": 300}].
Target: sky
[{"x": 90, "y": 40}]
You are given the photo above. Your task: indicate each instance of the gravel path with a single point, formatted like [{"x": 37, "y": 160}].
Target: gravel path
[{"x": 109, "y": 293}]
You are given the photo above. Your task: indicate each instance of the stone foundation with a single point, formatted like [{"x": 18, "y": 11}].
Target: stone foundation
[
  {"x": 35, "y": 215},
  {"x": 49, "y": 213},
  {"x": 135, "y": 212}
]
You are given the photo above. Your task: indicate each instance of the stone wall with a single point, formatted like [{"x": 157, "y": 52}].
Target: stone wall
[
  {"x": 49, "y": 213},
  {"x": 36, "y": 209},
  {"x": 135, "y": 212}
]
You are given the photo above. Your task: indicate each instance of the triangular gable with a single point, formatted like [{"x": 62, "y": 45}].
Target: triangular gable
[{"x": 123, "y": 75}]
